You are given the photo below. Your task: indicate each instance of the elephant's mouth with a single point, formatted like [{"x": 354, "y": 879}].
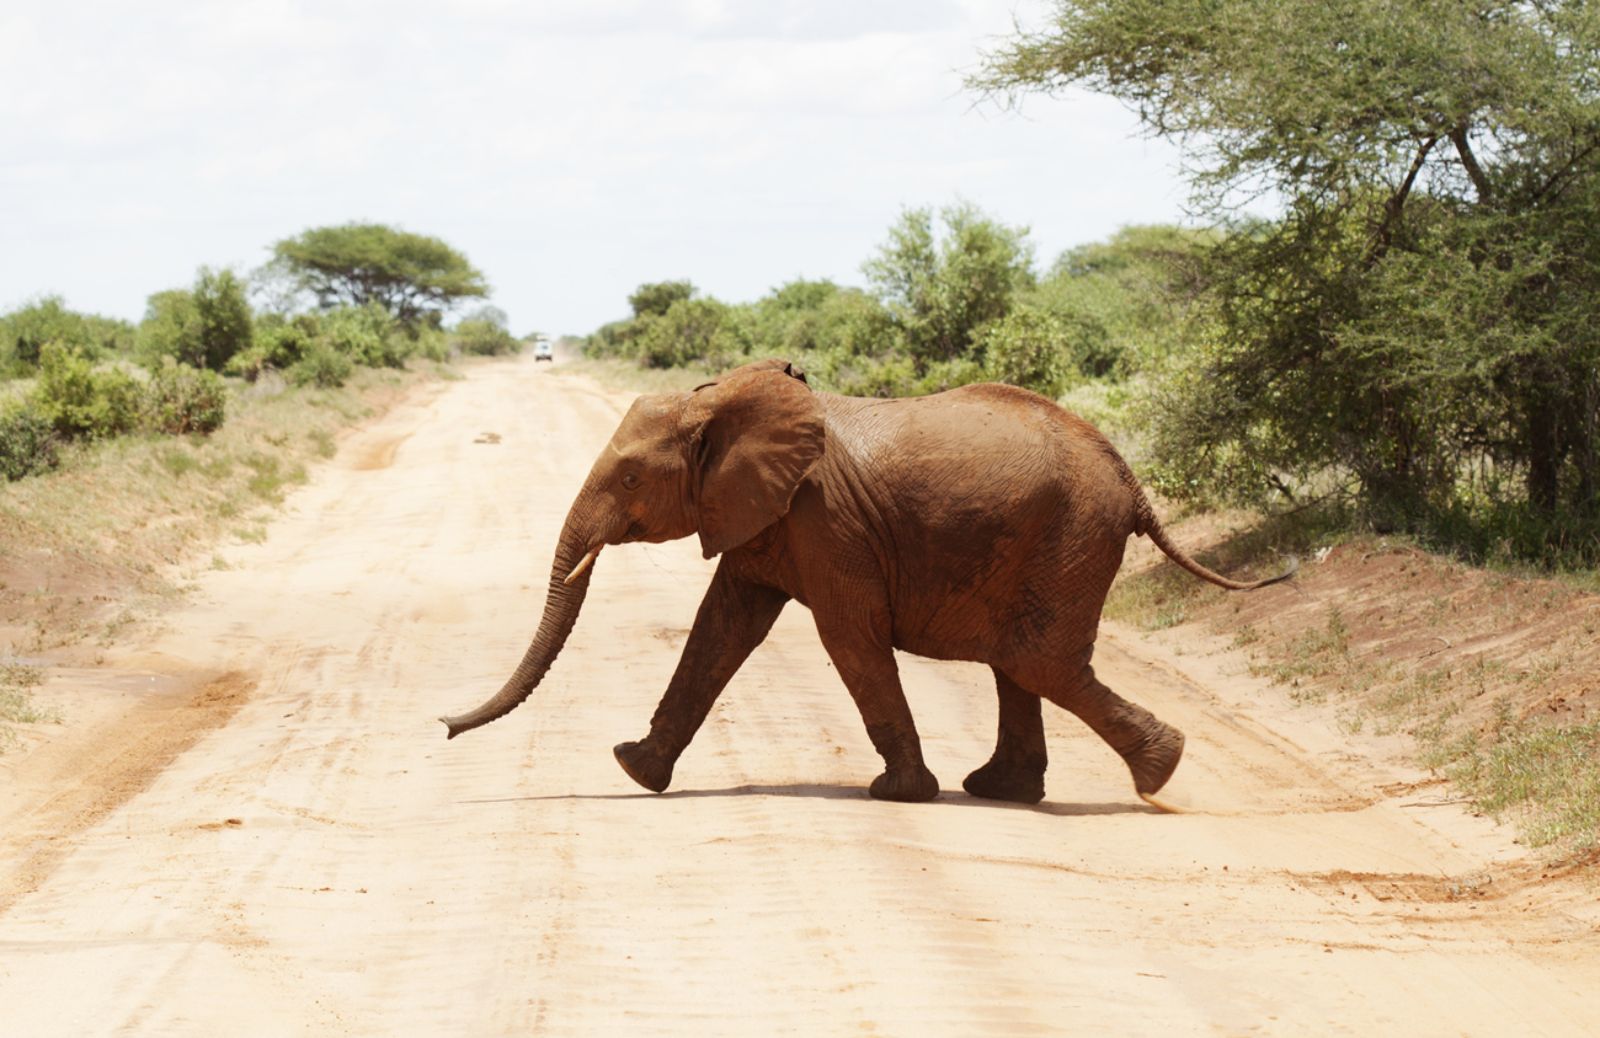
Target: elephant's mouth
[{"x": 634, "y": 532}]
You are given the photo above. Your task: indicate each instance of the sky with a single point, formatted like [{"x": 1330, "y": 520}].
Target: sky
[{"x": 571, "y": 149}]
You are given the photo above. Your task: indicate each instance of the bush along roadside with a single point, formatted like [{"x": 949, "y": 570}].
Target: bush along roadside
[
  {"x": 343, "y": 297},
  {"x": 73, "y": 399}
]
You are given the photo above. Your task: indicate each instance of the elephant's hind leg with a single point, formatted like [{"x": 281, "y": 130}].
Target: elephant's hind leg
[
  {"x": 1150, "y": 746},
  {"x": 1015, "y": 771}
]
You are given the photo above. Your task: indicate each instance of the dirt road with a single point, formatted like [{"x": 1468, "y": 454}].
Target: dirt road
[{"x": 287, "y": 844}]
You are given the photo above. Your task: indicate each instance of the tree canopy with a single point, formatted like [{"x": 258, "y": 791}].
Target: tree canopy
[
  {"x": 943, "y": 287},
  {"x": 1418, "y": 318},
  {"x": 411, "y": 276}
]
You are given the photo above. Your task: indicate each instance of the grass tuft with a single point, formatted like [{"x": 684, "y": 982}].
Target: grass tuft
[
  {"x": 1545, "y": 776},
  {"x": 17, "y": 681}
]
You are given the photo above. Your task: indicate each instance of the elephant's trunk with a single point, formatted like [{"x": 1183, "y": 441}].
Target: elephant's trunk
[{"x": 569, "y": 583}]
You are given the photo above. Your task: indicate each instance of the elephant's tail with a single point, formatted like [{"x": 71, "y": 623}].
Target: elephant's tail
[{"x": 1146, "y": 523}]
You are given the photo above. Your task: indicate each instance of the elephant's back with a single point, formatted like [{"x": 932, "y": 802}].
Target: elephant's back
[{"x": 985, "y": 446}]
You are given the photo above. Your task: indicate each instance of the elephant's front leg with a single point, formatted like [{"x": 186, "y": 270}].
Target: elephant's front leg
[
  {"x": 733, "y": 619},
  {"x": 864, "y": 659},
  {"x": 1016, "y": 770}
]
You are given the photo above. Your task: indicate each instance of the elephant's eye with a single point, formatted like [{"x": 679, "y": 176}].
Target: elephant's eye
[{"x": 631, "y": 481}]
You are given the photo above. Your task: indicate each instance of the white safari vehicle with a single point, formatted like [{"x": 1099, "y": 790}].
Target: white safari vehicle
[{"x": 541, "y": 349}]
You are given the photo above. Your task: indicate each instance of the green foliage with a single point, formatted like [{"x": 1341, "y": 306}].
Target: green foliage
[
  {"x": 180, "y": 399},
  {"x": 322, "y": 349},
  {"x": 691, "y": 330},
  {"x": 923, "y": 333},
  {"x": 942, "y": 288},
  {"x": 1125, "y": 303},
  {"x": 482, "y": 339},
  {"x": 81, "y": 401},
  {"x": 1416, "y": 329},
  {"x": 27, "y": 441},
  {"x": 672, "y": 327},
  {"x": 224, "y": 317},
  {"x": 484, "y": 333},
  {"x": 24, "y": 331},
  {"x": 171, "y": 328},
  {"x": 280, "y": 342},
  {"x": 411, "y": 277},
  {"x": 321, "y": 366},
  {"x": 203, "y": 327},
  {"x": 1024, "y": 348},
  {"x": 656, "y": 298},
  {"x": 367, "y": 335},
  {"x": 431, "y": 343}
]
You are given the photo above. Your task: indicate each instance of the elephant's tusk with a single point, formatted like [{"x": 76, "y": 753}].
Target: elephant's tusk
[{"x": 583, "y": 564}]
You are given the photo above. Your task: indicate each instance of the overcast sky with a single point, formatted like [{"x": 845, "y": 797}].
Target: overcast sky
[{"x": 570, "y": 148}]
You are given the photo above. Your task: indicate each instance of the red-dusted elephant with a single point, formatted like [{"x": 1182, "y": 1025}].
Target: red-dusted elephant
[{"x": 984, "y": 523}]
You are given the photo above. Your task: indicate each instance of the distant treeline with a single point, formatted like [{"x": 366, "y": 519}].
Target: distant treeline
[
  {"x": 357, "y": 294},
  {"x": 954, "y": 297},
  {"x": 1412, "y": 341}
]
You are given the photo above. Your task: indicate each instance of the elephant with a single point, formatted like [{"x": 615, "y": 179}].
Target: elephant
[{"x": 982, "y": 523}]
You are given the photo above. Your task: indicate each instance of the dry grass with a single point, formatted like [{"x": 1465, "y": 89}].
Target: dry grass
[{"x": 16, "y": 703}]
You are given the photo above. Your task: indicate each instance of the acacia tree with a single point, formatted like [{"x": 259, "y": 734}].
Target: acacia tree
[
  {"x": 412, "y": 276},
  {"x": 1418, "y": 318}
]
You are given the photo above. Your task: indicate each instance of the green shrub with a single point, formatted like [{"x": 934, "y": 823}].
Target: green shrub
[
  {"x": 941, "y": 375},
  {"x": 943, "y": 286},
  {"x": 279, "y": 344},
  {"x": 656, "y": 298},
  {"x": 81, "y": 401},
  {"x": 431, "y": 344},
  {"x": 894, "y": 375},
  {"x": 853, "y": 323},
  {"x": 171, "y": 328},
  {"x": 27, "y": 441},
  {"x": 1027, "y": 348},
  {"x": 366, "y": 335},
  {"x": 482, "y": 338},
  {"x": 24, "y": 331},
  {"x": 203, "y": 327},
  {"x": 181, "y": 399},
  {"x": 685, "y": 334},
  {"x": 321, "y": 366},
  {"x": 226, "y": 324}
]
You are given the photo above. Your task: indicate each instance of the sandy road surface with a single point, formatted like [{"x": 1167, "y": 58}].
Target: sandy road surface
[{"x": 320, "y": 861}]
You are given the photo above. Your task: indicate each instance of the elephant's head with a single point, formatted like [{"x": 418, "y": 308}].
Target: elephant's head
[{"x": 722, "y": 461}]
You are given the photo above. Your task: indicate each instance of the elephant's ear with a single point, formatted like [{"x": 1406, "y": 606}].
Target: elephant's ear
[{"x": 756, "y": 434}]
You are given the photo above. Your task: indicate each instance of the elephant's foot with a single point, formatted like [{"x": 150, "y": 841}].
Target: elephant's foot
[
  {"x": 1155, "y": 758},
  {"x": 911, "y": 785},
  {"x": 650, "y": 769},
  {"x": 1021, "y": 782}
]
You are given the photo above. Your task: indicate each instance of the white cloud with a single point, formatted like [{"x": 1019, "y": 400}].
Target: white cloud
[{"x": 571, "y": 149}]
